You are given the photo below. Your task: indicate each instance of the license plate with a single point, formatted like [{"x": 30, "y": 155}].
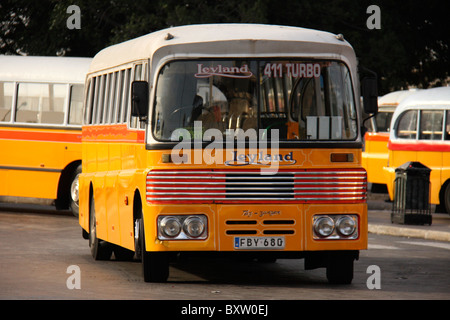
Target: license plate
[{"x": 252, "y": 243}]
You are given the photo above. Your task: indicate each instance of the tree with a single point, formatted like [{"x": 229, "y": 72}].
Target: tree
[{"x": 410, "y": 49}]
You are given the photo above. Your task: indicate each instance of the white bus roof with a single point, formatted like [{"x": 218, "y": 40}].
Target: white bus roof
[
  {"x": 392, "y": 99},
  {"x": 429, "y": 98},
  {"x": 230, "y": 40},
  {"x": 44, "y": 69}
]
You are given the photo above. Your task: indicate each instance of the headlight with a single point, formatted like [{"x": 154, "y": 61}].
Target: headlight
[
  {"x": 346, "y": 225},
  {"x": 194, "y": 226},
  {"x": 182, "y": 227},
  {"x": 324, "y": 226},
  {"x": 335, "y": 226},
  {"x": 170, "y": 227}
]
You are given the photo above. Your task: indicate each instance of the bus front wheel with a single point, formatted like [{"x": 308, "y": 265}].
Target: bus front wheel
[
  {"x": 340, "y": 269},
  {"x": 447, "y": 198},
  {"x": 155, "y": 265}
]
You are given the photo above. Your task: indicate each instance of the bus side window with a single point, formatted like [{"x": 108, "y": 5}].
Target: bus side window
[
  {"x": 126, "y": 96},
  {"x": 106, "y": 99},
  {"x": 431, "y": 125},
  {"x": 134, "y": 121},
  {"x": 88, "y": 116},
  {"x": 114, "y": 96},
  {"x": 98, "y": 103},
  {"x": 6, "y": 99},
  {"x": 119, "y": 89},
  {"x": 407, "y": 125},
  {"x": 447, "y": 126},
  {"x": 76, "y": 103},
  {"x": 41, "y": 103}
]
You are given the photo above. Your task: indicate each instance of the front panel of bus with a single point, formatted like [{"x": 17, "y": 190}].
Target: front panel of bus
[{"x": 254, "y": 154}]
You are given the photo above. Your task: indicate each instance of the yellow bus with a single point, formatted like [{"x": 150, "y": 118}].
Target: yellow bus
[
  {"x": 41, "y": 104},
  {"x": 420, "y": 131},
  {"x": 375, "y": 152},
  {"x": 225, "y": 139}
]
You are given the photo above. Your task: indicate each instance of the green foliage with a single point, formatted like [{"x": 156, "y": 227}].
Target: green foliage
[{"x": 410, "y": 49}]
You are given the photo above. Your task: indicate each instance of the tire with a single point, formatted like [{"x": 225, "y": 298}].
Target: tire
[
  {"x": 340, "y": 269},
  {"x": 74, "y": 192},
  {"x": 447, "y": 198},
  {"x": 100, "y": 250},
  {"x": 122, "y": 254},
  {"x": 155, "y": 265}
]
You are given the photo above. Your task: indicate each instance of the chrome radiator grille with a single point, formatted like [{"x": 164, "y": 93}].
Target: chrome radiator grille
[{"x": 235, "y": 186}]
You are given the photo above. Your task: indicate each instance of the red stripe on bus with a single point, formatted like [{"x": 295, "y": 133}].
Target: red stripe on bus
[
  {"x": 419, "y": 145},
  {"x": 39, "y": 135},
  {"x": 376, "y": 136},
  {"x": 112, "y": 133}
]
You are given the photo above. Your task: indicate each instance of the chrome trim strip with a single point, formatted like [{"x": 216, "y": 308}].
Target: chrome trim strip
[
  {"x": 30, "y": 169},
  {"x": 222, "y": 200},
  {"x": 232, "y": 186},
  {"x": 359, "y": 183}
]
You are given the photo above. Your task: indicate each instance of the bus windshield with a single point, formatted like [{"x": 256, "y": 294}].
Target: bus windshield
[{"x": 305, "y": 100}]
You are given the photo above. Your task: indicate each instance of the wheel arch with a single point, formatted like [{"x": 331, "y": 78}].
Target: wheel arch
[
  {"x": 62, "y": 201},
  {"x": 441, "y": 206},
  {"x": 137, "y": 205}
]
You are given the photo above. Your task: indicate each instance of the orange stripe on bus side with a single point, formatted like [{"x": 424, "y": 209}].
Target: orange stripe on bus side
[
  {"x": 112, "y": 133},
  {"x": 40, "y": 135}
]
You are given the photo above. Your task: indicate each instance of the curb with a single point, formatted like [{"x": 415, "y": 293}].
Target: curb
[{"x": 409, "y": 232}]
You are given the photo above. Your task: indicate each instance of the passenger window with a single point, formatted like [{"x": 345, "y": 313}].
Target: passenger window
[
  {"x": 106, "y": 100},
  {"x": 407, "y": 125},
  {"x": 431, "y": 125},
  {"x": 41, "y": 103},
  {"x": 76, "y": 104},
  {"x": 114, "y": 97},
  {"x": 6, "y": 98},
  {"x": 126, "y": 96},
  {"x": 89, "y": 101},
  {"x": 120, "y": 95},
  {"x": 97, "y": 99},
  {"x": 447, "y": 126},
  {"x": 134, "y": 121}
]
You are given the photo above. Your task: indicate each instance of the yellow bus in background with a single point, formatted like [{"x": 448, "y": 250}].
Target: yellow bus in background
[
  {"x": 41, "y": 103},
  {"x": 225, "y": 139},
  {"x": 420, "y": 131},
  {"x": 375, "y": 153}
]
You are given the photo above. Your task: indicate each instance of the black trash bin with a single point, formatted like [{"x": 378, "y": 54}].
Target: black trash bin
[{"x": 412, "y": 194}]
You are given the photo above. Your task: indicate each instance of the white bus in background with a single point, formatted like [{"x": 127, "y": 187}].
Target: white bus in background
[
  {"x": 375, "y": 154},
  {"x": 420, "y": 131},
  {"x": 41, "y": 102}
]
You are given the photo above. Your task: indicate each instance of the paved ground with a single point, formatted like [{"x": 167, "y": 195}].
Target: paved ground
[{"x": 380, "y": 222}]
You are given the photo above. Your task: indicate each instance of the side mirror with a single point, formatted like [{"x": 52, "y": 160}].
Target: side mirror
[
  {"x": 139, "y": 99},
  {"x": 370, "y": 95}
]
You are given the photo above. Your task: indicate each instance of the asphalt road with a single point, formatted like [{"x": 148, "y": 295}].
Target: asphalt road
[{"x": 43, "y": 256}]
